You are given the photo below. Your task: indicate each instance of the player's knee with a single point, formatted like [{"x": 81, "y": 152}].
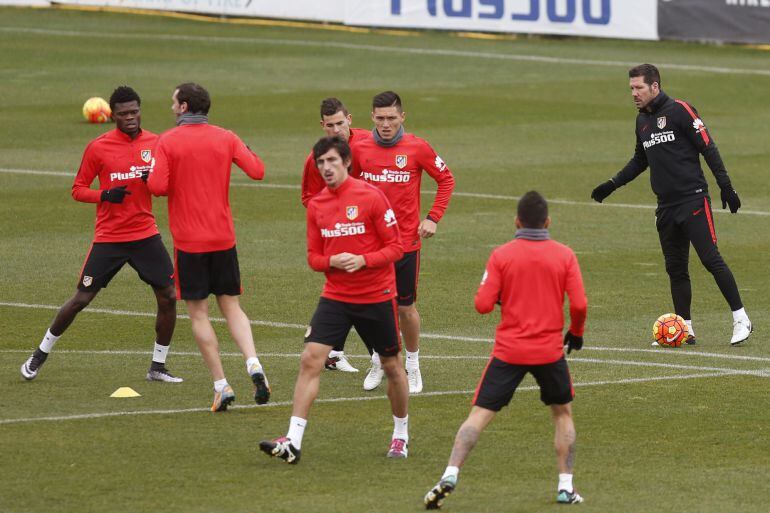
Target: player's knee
[
  {"x": 310, "y": 361},
  {"x": 714, "y": 263},
  {"x": 677, "y": 271},
  {"x": 167, "y": 298}
]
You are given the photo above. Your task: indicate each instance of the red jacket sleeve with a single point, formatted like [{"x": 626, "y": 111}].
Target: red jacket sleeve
[
  {"x": 157, "y": 182},
  {"x": 578, "y": 303},
  {"x": 89, "y": 169},
  {"x": 385, "y": 223},
  {"x": 437, "y": 169},
  {"x": 247, "y": 160},
  {"x": 491, "y": 285},
  {"x": 312, "y": 183},
  {"x": 315, "y": 246}
]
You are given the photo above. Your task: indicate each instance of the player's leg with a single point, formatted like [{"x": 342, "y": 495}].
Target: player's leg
[
  {"x": 398, "y": 395},
  {"x": 676, "y": 253},
  {"x": 407, "y": 275},
  {"x": 700, "y": 231}
]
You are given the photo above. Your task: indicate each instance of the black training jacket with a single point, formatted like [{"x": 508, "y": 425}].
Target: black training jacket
[{"x": 670, "y": 137}]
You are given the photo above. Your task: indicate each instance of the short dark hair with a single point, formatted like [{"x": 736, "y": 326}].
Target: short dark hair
[
  {"x": 387, "y": 99},
  {"x": 648, "y": 71},
  {"x": 331, "y": 106},
  {"x": 124, "y": 94},
  {"x": 325, "y": 144},
  {"x": 532, "y": 210},
  {"x": 195, "y": 95}
]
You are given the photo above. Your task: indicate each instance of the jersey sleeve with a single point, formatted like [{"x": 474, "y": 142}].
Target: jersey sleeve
[
  {"x": 157, "y": 181},
  {"x": 385, "y": 223},
  {"x": 315, "y": 247},
  {"x": 489, "y": 290},
  {"x": 88, "y": 171},
  {"x": 578, "y": 303},
  {"x": 434, "y": 165},
  {"x": 312, "y": 183},
  {"x": 695, "y": 129},
  {"x": 247, "y": 160},
  {"x": 635, "y": 166}
]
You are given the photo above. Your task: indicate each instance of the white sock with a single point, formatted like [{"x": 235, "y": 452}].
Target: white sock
[
  {"x": 565, "y": 483},
  {"x": 689, "y": 327},
  {"x": 160, "y": 353},
  {"x": 451, "y": 472},
  {"x": 376, "y": 360},
  {"x": 401, "y": 428},
  {"x": 333, "y": 353},
  {"x": 413, "y": 359},
  {"x": 251, "y": 362},
  {"x": 296, "y": 431},
  {"x": 46, "y": 345},
  {"x": 220, "y": 384},
  {"x": 738, "y": 315}
]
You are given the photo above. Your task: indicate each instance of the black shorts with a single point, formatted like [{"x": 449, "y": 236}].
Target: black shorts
[
  {"x": 407, "y": 275},
  {"x": 376, "y": 324},
  {"x": 201, "y": 274},
  {"x": 148, "y": 257},
  {"x": 500, "y": 380}
]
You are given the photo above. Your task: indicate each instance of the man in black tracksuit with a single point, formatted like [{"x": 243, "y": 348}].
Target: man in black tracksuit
[{"x": 670, "y": 137}]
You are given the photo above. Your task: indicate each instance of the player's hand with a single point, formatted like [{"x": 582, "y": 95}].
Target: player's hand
[
  {"x": 347, "y": 262},
  {"x": 115, "y": 195},
  {"x": 145, "y": 175},
  {"x": 603, "y": 190},
  {"x": 730, "y": 198},
  {"x": 572, "y": 342},
  {"x": 427, "y": 229}
]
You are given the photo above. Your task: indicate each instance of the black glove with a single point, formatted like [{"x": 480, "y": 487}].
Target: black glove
[
  {"x": 572, "y": 342},
  {"x": 730, "y": 197},
  {"x": 115, "y": 195},
  {"x": 145, "y": 175},
  {"x": 603, "y": 190}
]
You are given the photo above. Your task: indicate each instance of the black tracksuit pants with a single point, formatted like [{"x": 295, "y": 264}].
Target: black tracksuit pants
[{"x": 678, "y": 227}]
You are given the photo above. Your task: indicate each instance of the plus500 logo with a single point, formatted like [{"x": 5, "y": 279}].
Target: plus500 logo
[{"x": 593, "y": 12}]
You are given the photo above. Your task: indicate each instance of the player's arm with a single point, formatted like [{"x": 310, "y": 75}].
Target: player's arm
[
  {"x": 312, "y": 183},
  {"x": 247, "y": 160},
  {"x": 385, "y": 223},
  {"x": 631, "y": 170},
  {"x": 578, "y": 303},
  {"x": 488, "y": 294},
  {"x": 315, "y": 246},
  {"x": 88, "y": 171},
  {"x": 445, "y": 181}
]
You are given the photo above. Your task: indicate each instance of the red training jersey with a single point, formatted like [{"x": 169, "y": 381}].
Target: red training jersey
[
  {"x": 397, "y": 171},
  {"x": 354, "y": 218},
  {"x": 529, "y": 278},
  {"x": 118, "y": 160},
  {"x": 193, "y": 169},
  {"x": 312, "y": 181}
]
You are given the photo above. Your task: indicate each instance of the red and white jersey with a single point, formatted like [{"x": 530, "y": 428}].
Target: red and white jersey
[
  {"x": 192, "y": 168},
  {"x": 397, "y": 171},
  {"x": 354, "y": 218},
  {"x": 529, "y": 278},
  {"x": 312, "y": 181},
  {"x": 118, "y": 160}
]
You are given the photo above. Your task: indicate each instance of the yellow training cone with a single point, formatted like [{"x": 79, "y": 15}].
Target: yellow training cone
[{"x": 126, "y": 392}]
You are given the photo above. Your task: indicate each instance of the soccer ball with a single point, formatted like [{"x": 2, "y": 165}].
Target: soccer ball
[
  {"x": 96, "y": 110},
  {"x": 670, "y": 330}
]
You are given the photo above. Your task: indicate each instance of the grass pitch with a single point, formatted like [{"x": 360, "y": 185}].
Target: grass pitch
[{"x": 658, "y": 430}]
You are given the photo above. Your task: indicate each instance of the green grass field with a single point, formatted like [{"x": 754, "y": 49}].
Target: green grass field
[{"x": 658, "y": 430}]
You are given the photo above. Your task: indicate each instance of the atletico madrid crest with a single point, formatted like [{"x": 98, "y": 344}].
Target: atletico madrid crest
[
  {"x": 146, "y": 155},
  {"x": 401, "y": 161},
  {"x": 351, "y": 212},
  {"x": 662, "y": 122},
  {"x": 87, "y": 281}
]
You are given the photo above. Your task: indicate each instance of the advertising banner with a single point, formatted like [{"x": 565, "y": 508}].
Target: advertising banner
[
  {"x": 736, "y": 21},
  {"x": 627, "y": 19}
]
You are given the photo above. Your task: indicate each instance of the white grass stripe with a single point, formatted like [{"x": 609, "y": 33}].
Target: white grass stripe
[
  {"x": 389, "y": 49},
  {"x": 85, "y": 416}
]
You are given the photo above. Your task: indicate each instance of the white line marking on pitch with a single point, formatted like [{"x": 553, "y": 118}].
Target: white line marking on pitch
[
  {"x": 85, "y": 416},
  {"x": 478, "y": 195},
  {"x": 379, "y": 49}
]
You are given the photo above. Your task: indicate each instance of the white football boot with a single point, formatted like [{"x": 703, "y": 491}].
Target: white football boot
[
  {"x": 415, "y": 380},
  {"x": 742, "y": 328},
  {"x": 373, "y": 377}
]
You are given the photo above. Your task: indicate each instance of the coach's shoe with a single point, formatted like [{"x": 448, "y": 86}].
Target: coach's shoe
[
  {"x": 415, "y": 380},
  {"x": 434, "y": 499},
  {"x": 223, "y": 399},
  {"x": 398, "y": 448},
  {"x": 161, "y": 373},
  {"x": 281, "y": 448},
  {"x": 690, "y": 340},
  {"x": 262, "y": 388},
  {"x": 565, "y": 497},
  {"x": 30, "y": 368},
  {"x": 373, "y": 378},
  {"x": 741, "y": 331},
  {"x": 339, "y": 363}
]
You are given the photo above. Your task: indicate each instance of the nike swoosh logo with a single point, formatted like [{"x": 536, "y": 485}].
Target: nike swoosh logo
[
  {"x": 697, "y": 212},
  {"x": 671, "y": 339}
]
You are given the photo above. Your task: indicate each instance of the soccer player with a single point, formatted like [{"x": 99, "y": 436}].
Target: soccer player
[
  {"x": 335, "y": 121},
  {"x": 394, "y": 161},
  {"x": 353, "y": 238},
  {"x": 125, "y": 230},
  {"x": 193, "y": 170},
  {"x": 670, "y": 137},
  {"x": 528, "y": 278}
]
